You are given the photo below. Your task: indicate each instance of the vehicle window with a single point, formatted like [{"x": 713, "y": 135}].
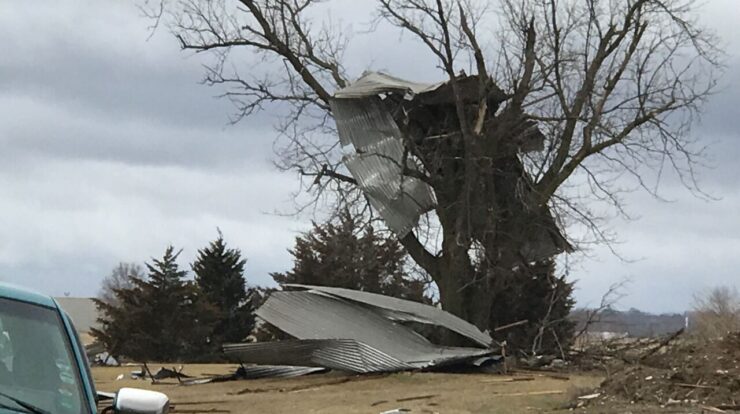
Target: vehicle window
[{"x": 36, "y": 361}]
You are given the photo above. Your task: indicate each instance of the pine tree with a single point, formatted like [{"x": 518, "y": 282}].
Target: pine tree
[
  {"x": 219, "y": 274},
  {"x": 160, "y": 318},
  {"x": 341, "y": 254},
  {"x": 545, "y": 301}
]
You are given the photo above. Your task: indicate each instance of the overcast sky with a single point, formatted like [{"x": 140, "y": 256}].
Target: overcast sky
[{"x": 110, "y": 150}]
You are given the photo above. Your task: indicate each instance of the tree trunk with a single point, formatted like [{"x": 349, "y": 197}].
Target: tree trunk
[{"x": 460, "y": 292}]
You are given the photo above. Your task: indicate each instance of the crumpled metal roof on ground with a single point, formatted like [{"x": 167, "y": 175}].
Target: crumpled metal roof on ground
[
  {"x": 339, "y": 354},
  {"x": 256, "y": 372},
  {"x": 406, "y": 310},
  {"x": 354, "y": 335},
  {"x": 275, "y": 371}
]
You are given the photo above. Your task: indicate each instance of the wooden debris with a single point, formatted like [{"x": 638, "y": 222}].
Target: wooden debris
[
  {"x": 420, "y": 397},
  {"x": 510, "y": 325},
  {"x": 706, "y": 387},
  {"x": 524, "y": 394},
  {"x": 711, "y": 409},
  {"x": 511, "y": 379},
  {"x": 558, "y": 377},
  {"x": 589, "y": 396}
]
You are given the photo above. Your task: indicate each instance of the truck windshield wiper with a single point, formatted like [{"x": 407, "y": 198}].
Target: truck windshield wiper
[{"x": 30, "y": 408}]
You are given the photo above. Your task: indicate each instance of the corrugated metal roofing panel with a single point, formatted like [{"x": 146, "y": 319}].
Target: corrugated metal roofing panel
[
  {"x": 340, "y": 354},
  {"x": 378, "y": 163},
  {"x": 363, "y": 122},
  {"x": 276, "y": 371},
  {"x": 306, "y": 315},
  {"x": 256, "y": 372},
  {"x": 317, "y": 316},
  {"x": 376, "y": 83},
  {"x": 399, "y": 199},
  {"x": 406, "y": 310}
]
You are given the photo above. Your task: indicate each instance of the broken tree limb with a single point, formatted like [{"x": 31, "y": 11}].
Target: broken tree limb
[
  {"x": 510, "y": 325},
  {"x": 523, "y": 394},
  {"x": 662, "y": 344},
  {"x": 705, "y": 387},
  {"x": 420, "y": 397}
]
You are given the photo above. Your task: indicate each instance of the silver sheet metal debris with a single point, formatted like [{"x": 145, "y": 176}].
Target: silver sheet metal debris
[
  {"x": 339, "y": 354},
  {"x": 376, "y": 83},
  {"x": 379, "y": 162},
  {"x": 364, "y": 122},
  {"x": 357, "y": 332},
  {"x": 406, "y": 311},
  {"x": 246, "y": 372},
  {"x": 398, "y": 198},
  {"x": 378, "y": 114}
]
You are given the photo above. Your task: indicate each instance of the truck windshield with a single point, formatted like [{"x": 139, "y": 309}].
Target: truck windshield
[{"x": 36, "y": 362}]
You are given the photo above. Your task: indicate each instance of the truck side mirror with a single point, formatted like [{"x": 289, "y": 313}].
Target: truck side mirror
[{"x": 136, "y": 401}]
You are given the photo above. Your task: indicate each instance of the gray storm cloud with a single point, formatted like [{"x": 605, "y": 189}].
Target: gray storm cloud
[{"x": 111, "y": 150}]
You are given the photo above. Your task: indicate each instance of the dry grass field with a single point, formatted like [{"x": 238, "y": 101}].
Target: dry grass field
[{"x": 334, "y": 393}]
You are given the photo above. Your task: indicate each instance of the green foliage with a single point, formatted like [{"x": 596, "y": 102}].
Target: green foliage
[
  {"x": 545, "y": 301},
  {"x": 219, "y": 273},
  {"x": 161, "y": 317},
  {"x": 341, "y": 254}
]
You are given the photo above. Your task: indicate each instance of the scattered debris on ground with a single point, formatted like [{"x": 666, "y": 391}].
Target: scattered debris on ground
[
  {"x": 98, "y": 356},
  {"x": 161, "y": 374},
  {"x": 679, "y": 371},
  {"x": 245, "y": 372},
  {"x": 339, "y": 393}
]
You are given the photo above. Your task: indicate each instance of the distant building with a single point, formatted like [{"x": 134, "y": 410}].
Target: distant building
[{"x": 83, "y": 312}]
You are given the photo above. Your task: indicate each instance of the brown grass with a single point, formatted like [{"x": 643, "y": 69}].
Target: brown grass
[{"x": 334, "y": 393}]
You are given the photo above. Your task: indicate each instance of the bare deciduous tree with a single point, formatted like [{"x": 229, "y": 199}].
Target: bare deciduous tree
[
  {"x": 119, "y": 278},
  {"x": 612, "y": 85},
  {"x": 716, "y": 312}
]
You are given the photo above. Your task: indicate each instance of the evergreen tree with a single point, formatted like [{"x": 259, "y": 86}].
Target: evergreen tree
[
  {"x": 219, "y": 274},
  {"x": 341, "y": 254},
  {"x": 545, "y": 301},
  {"x": 160, "y": 318}
]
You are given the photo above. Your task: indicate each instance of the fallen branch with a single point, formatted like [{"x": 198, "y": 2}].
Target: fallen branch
[
  {"x": 510, "y": 325},
  {"x": 711, "y": 409},
  {"x": 420, "y": 397},
  {"x": 557, "y": 377},
  {"x": 731, "y": 407},
  {"x": 663, "y": 344},
  {"x": 522, "y": 394},
  {"x": 706, "y": 387},
  {"x": 513, "y": 379},
  {"x": 146, "y": 369}
]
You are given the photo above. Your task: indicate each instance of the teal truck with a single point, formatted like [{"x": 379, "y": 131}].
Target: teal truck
[{"x": 43, "y": 366}]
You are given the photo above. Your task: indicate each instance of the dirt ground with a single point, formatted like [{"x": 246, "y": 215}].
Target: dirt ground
[{"x": 334, "y": 393}]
